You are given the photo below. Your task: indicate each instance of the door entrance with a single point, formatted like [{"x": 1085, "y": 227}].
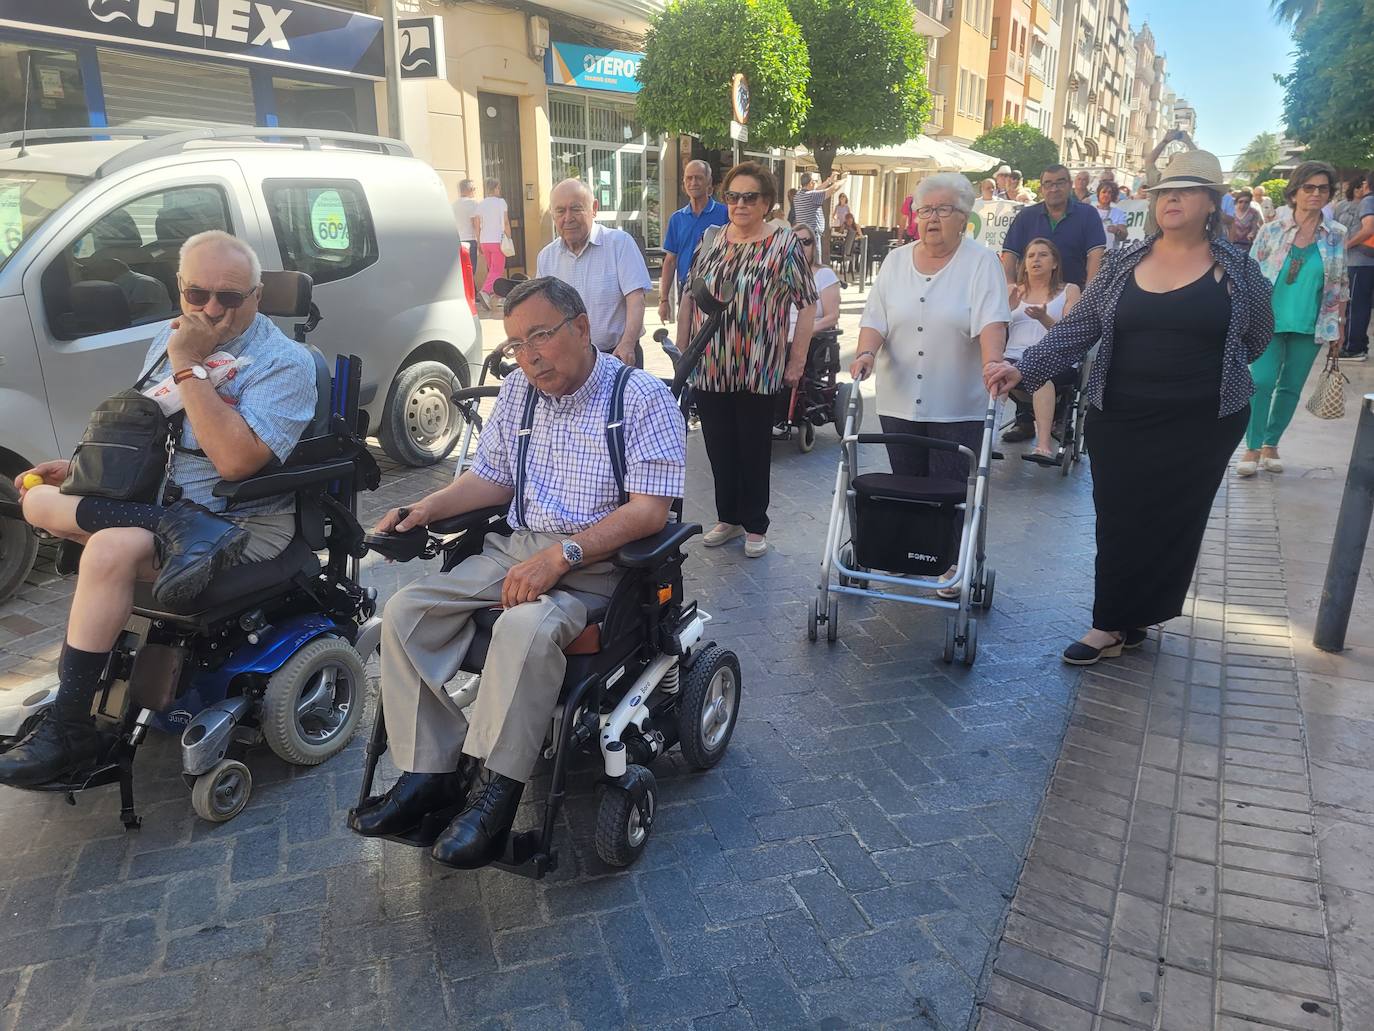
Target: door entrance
[{"x": 501, "y": 160}]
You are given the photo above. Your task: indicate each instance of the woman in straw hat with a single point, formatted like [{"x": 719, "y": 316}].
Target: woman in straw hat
[
  {"x": 1181, "y": 315},
  {"x": 1304, "y": 257}
]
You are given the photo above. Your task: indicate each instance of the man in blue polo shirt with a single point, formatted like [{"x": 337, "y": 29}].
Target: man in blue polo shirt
[
  {"x": 685, "y": 229},
  {"x": 1075, "y": 229}
]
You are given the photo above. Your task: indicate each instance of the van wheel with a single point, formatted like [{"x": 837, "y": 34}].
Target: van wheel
[
  {"x": 421, "y": 424},
  {"x": 18, "y": 546}
]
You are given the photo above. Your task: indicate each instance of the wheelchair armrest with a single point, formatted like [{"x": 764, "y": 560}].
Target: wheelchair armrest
[
  {"x": 399, "y": 547},
  {"x": 479, "y": 518},
  {"x": 652, "y": 550},
  {"x": 282, "y": 480}
]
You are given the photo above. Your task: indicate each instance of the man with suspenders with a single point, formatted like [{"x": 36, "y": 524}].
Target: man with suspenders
[{"x": 589, "y": 454}]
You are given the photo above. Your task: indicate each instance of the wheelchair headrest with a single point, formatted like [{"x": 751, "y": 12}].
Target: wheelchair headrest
[{"x": 286, "y": 294}]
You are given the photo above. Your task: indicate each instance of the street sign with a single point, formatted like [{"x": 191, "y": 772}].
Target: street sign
[
  {"x": 739, "y": 98},
  {"x": 422, "y": 48},
  {"x": 739, "y": 132}
]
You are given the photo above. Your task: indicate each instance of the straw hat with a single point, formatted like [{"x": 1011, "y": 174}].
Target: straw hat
[{"x": 1192, "y": 168}]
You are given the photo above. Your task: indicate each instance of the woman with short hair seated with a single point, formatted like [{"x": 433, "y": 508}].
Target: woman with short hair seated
[
  {"x": 1039, "y": 299},
  {"x": 937, "y": 315}
]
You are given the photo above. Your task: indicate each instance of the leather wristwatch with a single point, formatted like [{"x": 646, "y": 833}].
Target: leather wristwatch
[
  {"x": 572, "y": 553},
  {"x": 194, "y": 371}
]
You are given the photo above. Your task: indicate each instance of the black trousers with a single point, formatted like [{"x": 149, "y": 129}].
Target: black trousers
[
  {"x": 1361, "y": 300},
  {"x": 737, "y": 428}
]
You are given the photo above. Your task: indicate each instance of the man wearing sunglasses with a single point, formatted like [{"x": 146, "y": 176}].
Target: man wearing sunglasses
[
  {"x": 550, "y": 451},
  {"x": 229, "y": 432}
]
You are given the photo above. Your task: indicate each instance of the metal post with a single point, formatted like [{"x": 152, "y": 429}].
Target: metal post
[
  {"x": 1352, "y": 531},
  {"x": 391, "y": 44}
]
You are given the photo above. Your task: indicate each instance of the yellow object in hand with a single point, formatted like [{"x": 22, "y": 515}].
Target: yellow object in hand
[{"x": 32, "y": 480}]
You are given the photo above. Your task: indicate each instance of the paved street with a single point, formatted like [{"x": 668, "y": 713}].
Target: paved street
[{"x": 856, "y": 859}]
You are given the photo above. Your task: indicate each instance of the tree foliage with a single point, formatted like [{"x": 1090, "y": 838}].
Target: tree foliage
[
  {"x": 1326, "y": 95},
  {"x": 1273, "y": 189},
  {"x": 1294, "y": 12},
  {"x": 1019, "y": 145},
  {"x": 1259, "y": 156},
  {"x": 867, "y": 85},
  {"x": 694, "y": 48}
]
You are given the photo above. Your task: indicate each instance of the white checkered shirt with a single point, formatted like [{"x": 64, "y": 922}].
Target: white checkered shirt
[
  {"x": 569, "y": 484},
  {"x": 609, "y": 267}
]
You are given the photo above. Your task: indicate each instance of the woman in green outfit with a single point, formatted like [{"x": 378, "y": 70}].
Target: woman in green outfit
[{"x": 1304, "y": 257}]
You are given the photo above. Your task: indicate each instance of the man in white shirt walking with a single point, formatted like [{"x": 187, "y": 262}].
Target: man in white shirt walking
[
  {"x": 465, "y": 214},
  {"x": 603, "y": 264}
]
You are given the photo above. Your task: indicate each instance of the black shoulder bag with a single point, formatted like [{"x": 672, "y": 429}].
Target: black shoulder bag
[{"x": 123, "y": 454}]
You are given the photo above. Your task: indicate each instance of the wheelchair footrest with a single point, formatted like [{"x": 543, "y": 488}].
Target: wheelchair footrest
[
  {"x": 427, "y": 833},
  {"x": 94, "y": 776},
  {"x": 525, "y": 857}
]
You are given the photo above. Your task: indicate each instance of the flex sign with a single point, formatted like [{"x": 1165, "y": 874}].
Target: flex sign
[
  {"x": 294, "y": 33},
  {"x": 568, "y": 64}
]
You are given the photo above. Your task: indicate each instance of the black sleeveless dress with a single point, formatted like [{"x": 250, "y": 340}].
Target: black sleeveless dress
[{"x": 1158, "y": 450}]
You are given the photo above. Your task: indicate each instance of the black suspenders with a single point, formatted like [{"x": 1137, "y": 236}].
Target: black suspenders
[{"x": 615, "y": 440}]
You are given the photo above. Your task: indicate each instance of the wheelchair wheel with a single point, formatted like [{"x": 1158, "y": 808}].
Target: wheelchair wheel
[
  {"x": 220, "y": 795},
  {"x": 314, "y": 703},
  {"x": 625, "y": 815},
  {"x": 806, "y": 436},
  {"x": 708, "y": 707}
]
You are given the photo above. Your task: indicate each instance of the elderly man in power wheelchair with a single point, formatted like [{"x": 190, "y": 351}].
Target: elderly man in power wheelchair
[
  {"x": 221, "y": 565},
  {"x": 589, "y": 456}
]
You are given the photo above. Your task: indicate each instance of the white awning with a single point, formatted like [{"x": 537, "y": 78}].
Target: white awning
[{"x": 921, "y": 154}]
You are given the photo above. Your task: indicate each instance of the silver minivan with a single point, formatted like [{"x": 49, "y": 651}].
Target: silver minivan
[{"x": 367, "y": 221}]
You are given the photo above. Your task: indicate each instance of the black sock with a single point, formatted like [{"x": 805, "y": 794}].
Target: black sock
[
  {"x": 93, "y": 514},
  {"x": 80, "y": 675}
]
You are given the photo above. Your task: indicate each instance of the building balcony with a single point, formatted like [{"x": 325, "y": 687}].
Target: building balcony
[{"x": 935, "y": 121}]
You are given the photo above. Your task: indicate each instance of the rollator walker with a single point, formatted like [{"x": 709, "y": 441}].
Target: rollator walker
[{"x": 889, "y": 531}]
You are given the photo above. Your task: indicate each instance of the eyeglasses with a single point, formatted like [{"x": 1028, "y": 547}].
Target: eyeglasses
[
  {"x": 806, "y": 241},
  {"x": 735, "y": 197},
  {"x": 536, "y": 341},
  {"x": 942, "y": 210},
  {"x": 1315, "y": 188},
  {"x": 199, "y": 297},
  {"x": 1053, "y": 184}
]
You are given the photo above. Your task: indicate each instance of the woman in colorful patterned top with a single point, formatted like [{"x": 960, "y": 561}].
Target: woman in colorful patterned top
[
  {"x": 748, "y": 360},
  {"x": 1304, "y": 257}
]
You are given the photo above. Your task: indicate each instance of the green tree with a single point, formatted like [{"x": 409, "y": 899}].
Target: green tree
[
  {"x": 693, "y": 49},
  {"x": 867, "y": 86},
  {"x": 1273, "y": 189},
  {"x": 1259, "y": 156},
  {"x": 1326, "y": 103},
  {"x": 1296, "y": 13},
  {"x": 1019, "y": 145}
]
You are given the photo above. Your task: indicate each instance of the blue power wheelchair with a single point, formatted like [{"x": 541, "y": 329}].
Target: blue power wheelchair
[
  {"x": 270, "y": 651},
  {"x": 639, "y": 680}
]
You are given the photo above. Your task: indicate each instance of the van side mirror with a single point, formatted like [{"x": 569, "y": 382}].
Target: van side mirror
[{"x": 98, "y": 307}]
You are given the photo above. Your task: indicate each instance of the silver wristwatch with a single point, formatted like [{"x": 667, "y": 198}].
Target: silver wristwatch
[{"x": 572, "y": 553}]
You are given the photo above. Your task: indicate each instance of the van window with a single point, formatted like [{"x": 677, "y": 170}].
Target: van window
[
  {"x": 137, "y": 247},
  {"x": 323, "y": 227}
]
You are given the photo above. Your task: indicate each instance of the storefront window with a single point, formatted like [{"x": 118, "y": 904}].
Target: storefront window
[
  {"x": 599, "y": 141},
  {"x": 167, "y": 93},
  {"x": 56, "y": 96},
  {"x": 315, "y": 105}
]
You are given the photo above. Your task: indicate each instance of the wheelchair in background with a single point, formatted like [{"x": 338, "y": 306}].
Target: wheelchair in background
[
  {"x": 270, "y": 651},
  {"x": 817, "y": 400},
  {"x": 639, "y": 680}
]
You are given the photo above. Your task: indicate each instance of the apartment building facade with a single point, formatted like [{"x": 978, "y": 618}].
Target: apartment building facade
[{"x": 962, "y": 68}]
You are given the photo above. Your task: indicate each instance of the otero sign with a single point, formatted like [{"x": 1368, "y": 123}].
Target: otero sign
[{"x": 293, "y": 33}]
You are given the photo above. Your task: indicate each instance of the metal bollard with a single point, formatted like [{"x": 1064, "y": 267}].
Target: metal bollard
[{"x": 1352, "y": 531}]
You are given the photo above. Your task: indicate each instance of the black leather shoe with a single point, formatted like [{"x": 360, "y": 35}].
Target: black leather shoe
[
  {"x": 1135, "y": 638},
  {"x": 193, "y": 544},
  {"x": 60, "y": 744},
  {"x": 478, "y": 835},
  {"x": 1080, "y": 654},
  {"x": 413, "y": 797},
  {"x": 1018, "y": 433}
]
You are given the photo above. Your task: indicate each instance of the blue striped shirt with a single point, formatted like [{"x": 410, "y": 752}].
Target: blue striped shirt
[
  {"x": 569, "y": 484},
  {"x": 275, "y": 395}
]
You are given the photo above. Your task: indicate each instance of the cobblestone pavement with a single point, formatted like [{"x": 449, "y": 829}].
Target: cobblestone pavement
[{"x": 849, "y": 864}]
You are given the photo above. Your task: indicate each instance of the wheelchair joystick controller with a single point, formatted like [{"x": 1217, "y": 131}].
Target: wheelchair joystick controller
[{"x": 401, "y": 547}]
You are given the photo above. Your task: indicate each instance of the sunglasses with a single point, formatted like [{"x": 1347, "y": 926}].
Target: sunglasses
[
  {"x": 1315, "y": 188},
  {"x": 735, "y": 197},
  {"x": 199, "y": 297}
]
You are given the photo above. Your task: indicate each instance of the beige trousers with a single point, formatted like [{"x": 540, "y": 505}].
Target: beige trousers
[{"x": 426, "y": 631}]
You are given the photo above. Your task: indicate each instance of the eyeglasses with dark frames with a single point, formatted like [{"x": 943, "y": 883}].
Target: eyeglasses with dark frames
[
  {"x": 199, "y": 297},
  {"x": 735, "y": 197}
]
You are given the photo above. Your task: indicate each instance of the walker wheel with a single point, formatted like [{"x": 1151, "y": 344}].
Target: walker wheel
[
  {"x": 969, "y": 651},
  {"x": 832, "y": 620},
  {"x": 806, "y": 436},
  {"x": 811, "y": 620},
  {"x": 985, "y": 589},
  {"x": 221, "y": 794},
  {"x": 624, "y": 817},
  {"x": 948, "y": 653}
]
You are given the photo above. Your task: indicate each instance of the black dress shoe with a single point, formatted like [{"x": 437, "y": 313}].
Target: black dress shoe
[
  {"x": 193, "y": 545},
  {"x": 1018, "y": 433},
  {"x": 1080, "y": 654},
  {"x": 62, "y": 742},
  {"x": 413, "y": 797},
  {"x": 478, "y": 835},
  {"x": 1135, "y": 638}
]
